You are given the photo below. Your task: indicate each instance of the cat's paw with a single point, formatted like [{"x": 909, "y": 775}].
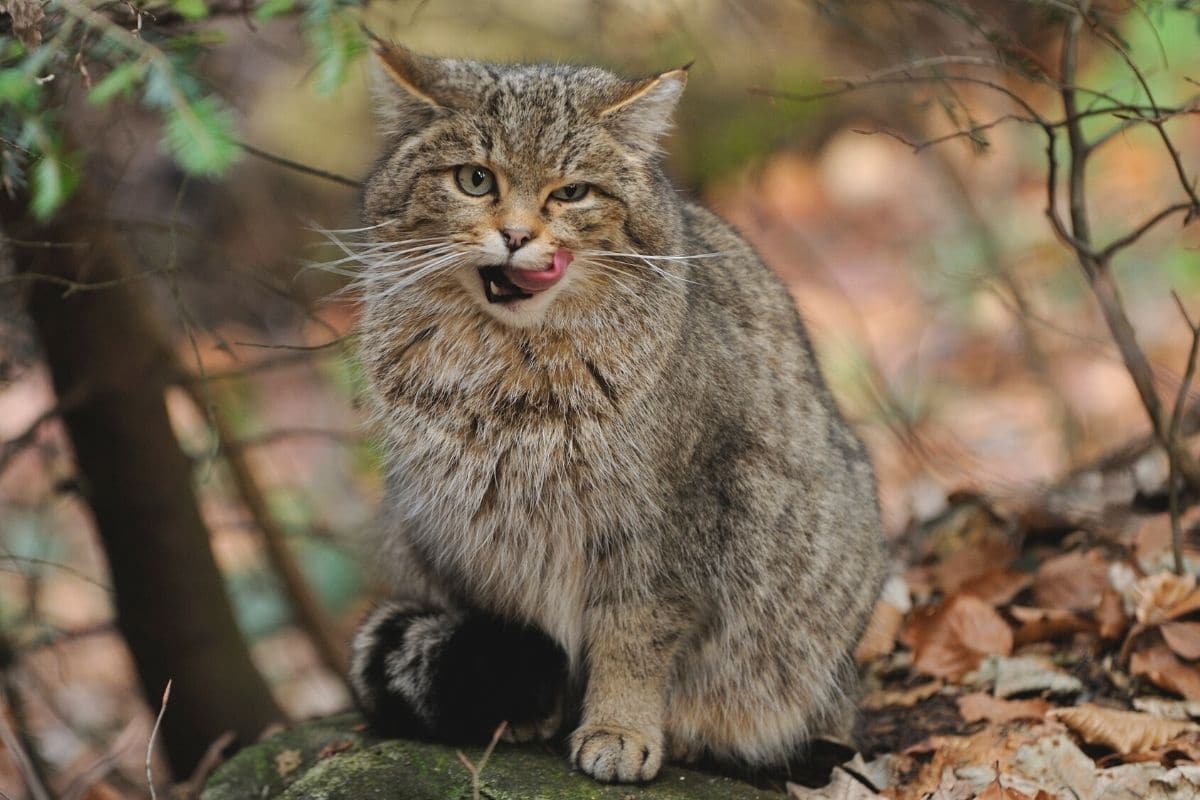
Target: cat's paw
[{"x": 613, "y": 754}]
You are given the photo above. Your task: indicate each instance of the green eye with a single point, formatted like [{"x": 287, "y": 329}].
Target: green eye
[
  {"x": 475, "y": 180},
  {"x": 571, "y": 192}
]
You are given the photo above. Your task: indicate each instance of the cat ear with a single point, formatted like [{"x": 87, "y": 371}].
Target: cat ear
[
  {"x": 641, "y": 114},
  {"x": 406, "y": 87}
]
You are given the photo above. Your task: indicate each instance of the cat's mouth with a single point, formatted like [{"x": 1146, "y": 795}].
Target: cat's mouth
[
  {"x": 503, "y": 283},
  {"x": 498, "y": 288}
]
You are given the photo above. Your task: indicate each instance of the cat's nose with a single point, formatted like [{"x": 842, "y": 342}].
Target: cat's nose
[{"x": 515, "y": 238}]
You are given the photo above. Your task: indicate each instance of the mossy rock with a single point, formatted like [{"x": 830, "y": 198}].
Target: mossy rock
[{"x": 334, "y": 759}]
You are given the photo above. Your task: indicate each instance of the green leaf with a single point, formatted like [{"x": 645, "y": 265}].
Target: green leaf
[
  {"x": 273, "y": 8},
  {"x": 51, "y": 185},
  {"x": 17, "y": 88},
  {"x": 337, "y": 40},
  {"x": 199, "y": 135},
  {"x": 190, "y": 9},
  {"x": 120, "y": 81}
]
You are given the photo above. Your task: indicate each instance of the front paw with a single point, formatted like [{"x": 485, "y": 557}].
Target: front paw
[{"x": 614, "y": 754}]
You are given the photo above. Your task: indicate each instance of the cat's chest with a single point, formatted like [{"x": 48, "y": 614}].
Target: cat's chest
[{"x": 508, "y": 487}]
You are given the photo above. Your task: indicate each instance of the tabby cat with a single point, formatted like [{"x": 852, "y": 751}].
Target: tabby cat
[{"x": 621, "y": 501}]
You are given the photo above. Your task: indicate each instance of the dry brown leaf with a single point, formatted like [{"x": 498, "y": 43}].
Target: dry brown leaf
[
  {"x": 1045, "y": 624},
  {"x": 1031, "y": 673},
  {"x": 901, "y": 698},
  {"x": 1110, "y": 616},
  {"x": 970, "y": 563},
  {"x": 842, "y": 786},
  {"x": 1074, "y": 581},
  {"x": 995, "y": 791},
  {"x": 1161, "y": 667},
  {"x": 980, "y": 705},
  {"x": 998, "y": 587},
  {"x": 879, "y": 639},
  {"x": 1182, "y": 748},
  {"x": 952, "y": 639},
  {"x": 1183, "y": 638},
  {"x": 995, "y": 745},
  {"x": 1124, "y": 731},
  {"x": 1155, "y": 596},
  {"x": 333, "y": 748}
]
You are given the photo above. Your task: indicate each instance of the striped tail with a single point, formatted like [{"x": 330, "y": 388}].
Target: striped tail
[{"x": 423, "y": 671}]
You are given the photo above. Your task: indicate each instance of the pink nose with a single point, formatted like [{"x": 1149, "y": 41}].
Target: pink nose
[{"x": 515, "y": 238}]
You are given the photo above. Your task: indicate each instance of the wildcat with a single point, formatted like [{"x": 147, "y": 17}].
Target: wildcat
[{"x": 620, "y": 496}]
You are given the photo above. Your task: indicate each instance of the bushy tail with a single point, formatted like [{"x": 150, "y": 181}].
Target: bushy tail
[{"x": 424, "y": 671}]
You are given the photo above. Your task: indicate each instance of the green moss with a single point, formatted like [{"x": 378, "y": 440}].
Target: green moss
[{"x": 331, "y": 760}]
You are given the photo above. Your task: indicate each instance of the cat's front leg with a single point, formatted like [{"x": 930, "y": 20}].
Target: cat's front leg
[{"x": 630, "y": 651}]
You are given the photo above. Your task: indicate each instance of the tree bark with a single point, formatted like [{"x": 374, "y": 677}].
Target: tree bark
[{"x": 111, "y": 362}]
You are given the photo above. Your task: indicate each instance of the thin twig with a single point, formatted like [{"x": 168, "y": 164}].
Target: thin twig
[
  {"x": 1173, "y": 436},
  {"x": 299, "y": 347},
  {"x": 25, "y": 766},
  {"x": 310, "y": 616},
  {"x": 298, "y": 167},
  {"x": 162, "y": 710},
  {"x": 477, "y": 771}
]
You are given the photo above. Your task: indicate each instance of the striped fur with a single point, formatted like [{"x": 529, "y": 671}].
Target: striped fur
[{"x": 642, "y": 464}]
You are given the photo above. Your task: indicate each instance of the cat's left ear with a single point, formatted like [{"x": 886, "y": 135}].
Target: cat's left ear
[{"x": 641, "y": 113}]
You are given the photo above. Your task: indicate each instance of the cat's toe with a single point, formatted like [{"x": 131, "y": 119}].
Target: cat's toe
[{"x": 617, "y": 755}]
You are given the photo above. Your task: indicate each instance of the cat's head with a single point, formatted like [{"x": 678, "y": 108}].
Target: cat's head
[{"x": 532, "y": 193}]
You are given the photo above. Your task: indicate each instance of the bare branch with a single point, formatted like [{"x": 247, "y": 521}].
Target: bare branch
[
  {"x": 162, "y": 710},
  {"x": 1138, "y": 232},
  {"x": 333, "y": 177},
  {"x": 309, "y": 614},
  {"x": 24, "y": 764},
  {"x": 1176, "y": 440}
]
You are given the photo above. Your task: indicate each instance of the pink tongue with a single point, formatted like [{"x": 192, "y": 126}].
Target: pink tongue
[{"x": 538, "y": 280}]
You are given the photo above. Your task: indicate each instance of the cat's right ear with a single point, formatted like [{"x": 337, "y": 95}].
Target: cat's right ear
[{"x": 405, "y": 87}]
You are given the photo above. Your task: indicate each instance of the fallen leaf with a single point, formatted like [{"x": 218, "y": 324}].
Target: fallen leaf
[
  {"x": 879, "y": 639},
  {"x": 1028, "y": 674},
  {"x": 842, "y": 786},
  {"x": 1181, "y": 748},
  {"x": 1181, "y": 783},
  {"x": 1074, "y": 581},
  {"x": 998, "y": 587},
  {"x": 287, "y": 762},
  {"x": 996, "y": 791},
  {"x": 333, "y": 748},
  {"x": 902, "y": 698},
  {"x": 1167, "y": 709},
  {"x": 982, "y": 706},
  {"x": 970, "y": 763},
  {"x": 1110, "y": 616},
  {"x": 1160, "y": 666},
  {"x": 1046, "y": 624},
  {"x": 953, "y": 639},
  {"x": 1183, "y": 638},
  {"x": 1124, "y": 731},
  {"x": 1157, "y": 596},
  {"x": 968, "y": 564},
  {"x": 1056, "y": 764}
]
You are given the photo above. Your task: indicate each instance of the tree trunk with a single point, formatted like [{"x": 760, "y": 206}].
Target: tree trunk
[{"x": 111, "y": 363}]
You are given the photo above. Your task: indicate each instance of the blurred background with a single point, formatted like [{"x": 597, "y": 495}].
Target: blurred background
[{"x": 956, "y": 331}]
